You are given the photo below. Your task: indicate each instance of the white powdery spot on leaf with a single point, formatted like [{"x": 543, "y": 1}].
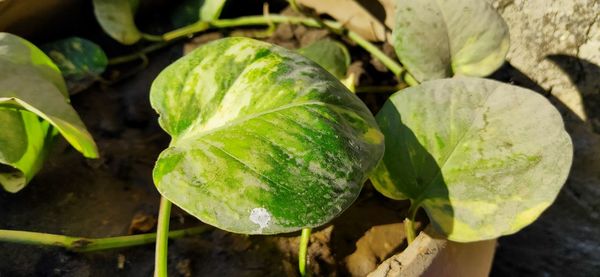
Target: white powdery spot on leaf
[{"x": 260, "y": 216}]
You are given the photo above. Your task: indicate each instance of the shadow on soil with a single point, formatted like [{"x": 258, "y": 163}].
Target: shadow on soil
[{"x": 563, "y": 241}]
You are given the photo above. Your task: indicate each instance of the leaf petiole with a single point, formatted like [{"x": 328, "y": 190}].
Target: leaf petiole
[
  {"x": 303, "y": 251},
  {"x": 409, "y": 223},
  {"x": 162, "y": 238}
]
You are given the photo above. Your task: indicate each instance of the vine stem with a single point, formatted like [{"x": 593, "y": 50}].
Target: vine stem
[
  {"x": 139, "y": 54},
  {"x": 162, "y": 238},
  {"x": 189, "y": 30},
  {"x": 82, "y": 244},
  {"x": 409, "y": 223},
  {"x": 302, "y": 251},
  {"x": 150, "y": 37}
]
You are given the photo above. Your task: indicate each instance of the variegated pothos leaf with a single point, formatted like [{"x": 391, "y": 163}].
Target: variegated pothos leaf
[
  {"x": 436, "y": 39},
  {"x": 483, "y": 158},
  {"x": 264, "y": 141},
  {"x": 80, "y": 61}
]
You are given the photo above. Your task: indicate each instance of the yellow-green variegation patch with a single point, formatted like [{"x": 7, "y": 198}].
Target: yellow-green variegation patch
[
  {"x": 436, "y": 39},
  {"x": 264, "y": 140},
  {"x": 483, "y": 158}
]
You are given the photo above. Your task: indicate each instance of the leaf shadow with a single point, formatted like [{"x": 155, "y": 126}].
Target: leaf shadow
[
  {"x": 416, "y": 171},
  {"x": 584, "y": 75},
  {"x": 375, "y": 8},
  {"x": 570, "y": 222},
  {"x": 374, "y": 221}
]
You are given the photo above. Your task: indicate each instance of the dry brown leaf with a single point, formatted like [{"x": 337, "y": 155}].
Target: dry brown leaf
[
  {"x": 369, "y": 18},
  {"x": 142, "y": 223}
]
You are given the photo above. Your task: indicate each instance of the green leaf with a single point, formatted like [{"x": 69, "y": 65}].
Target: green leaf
[
  {"x": 483, "y": 158},
  {"x": 210, "y": 9},
  {"x": 437, "y": 39},
  {"x": 330, "y": 54},
  {"x": 24, "y": 148},
  {"x": 80, "y": 61},
  {"x": 264, "y": 140},
  {"x": 30, "y": 84},
  {"x": 18, "y": 51},
  {"x": 116, "y": 19}
]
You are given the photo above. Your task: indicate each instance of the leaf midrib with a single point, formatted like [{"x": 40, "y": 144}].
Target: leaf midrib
[
  {"x": 421, "y": 197},
  {"x": 191, "y": 132}
]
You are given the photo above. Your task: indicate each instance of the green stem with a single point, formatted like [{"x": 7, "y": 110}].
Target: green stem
[
  {"x": 162, "y": 238},
  {"x": 302, "y": 251},
  {"x": 139, "y": 54},
  {"x": 150, "y": 37},
  {"x": 274, "y": 18},
  {"x": 409, "y": 223},
  {"x": 392, "y": 65},
  {"x": 82, "y": 244}
]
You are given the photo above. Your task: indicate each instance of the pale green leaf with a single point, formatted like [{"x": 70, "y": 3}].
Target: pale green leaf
[
  {"x": 440, "y": 38},
  {"x": 483, "y": 158},
  {"x": 117, "y": 20},
  {"x": 330, "y": 54},
  {"x": 264, "y": 140},
  {"x": 80, "y": 61},
  {"x": 31, "y": 86},
  {"x": 210, "y": 9},
  {"x": 18, "y": 51}
]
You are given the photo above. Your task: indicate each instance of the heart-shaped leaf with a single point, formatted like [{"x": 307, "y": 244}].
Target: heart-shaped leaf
[
  {"x": 80, "y": 61},
  {"x": 116, "y": 19},
  {"x": 483, "y": 158},
  {"x": 330, "y": 54},
  {"x": 439, "y": 38},
  {"x": 264, "y": 140},
  {"x": 30, "y": 84}
]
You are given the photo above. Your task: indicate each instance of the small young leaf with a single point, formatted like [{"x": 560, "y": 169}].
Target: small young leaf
[
  {"x": 116, "y": 19},
  {"x": 437, "y": 39},
  {"x": 330, "y": 54},
  {"x": 80, "y": 61},
  {"x": 483, "y": 158},
  {"x": 29, "y": 81},
  {"x": 264, "y": 140}
]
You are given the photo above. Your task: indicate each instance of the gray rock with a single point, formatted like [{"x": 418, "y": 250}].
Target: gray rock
[{"x": 555, "y": 49}]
